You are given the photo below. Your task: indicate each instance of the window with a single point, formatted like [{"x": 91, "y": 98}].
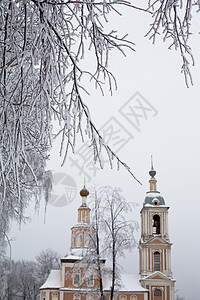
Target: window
[
  {"x": 55, "y": 296},
  {"x": 156, "y": 224},
  {"x": 122, "y": 297},
  {"x": 77, "y": 297},
  {"x": 157, "y": 294},
  {"x": 89, "y": 297},
  {"x": 90, "y": 281},
  {"x": 43, "y": 296},
  {"x": 78, "y": 239},
  {"x": 76, "y": 279},
  {"x": 156, "y": 261},
  {"x": 86, "y": 239}
]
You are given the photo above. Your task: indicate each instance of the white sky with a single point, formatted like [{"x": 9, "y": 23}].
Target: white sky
[{"x": 172, "y": 136}]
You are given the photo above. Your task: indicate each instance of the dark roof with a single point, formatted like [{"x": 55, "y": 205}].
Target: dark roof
[{"x": 153, "y": 195}]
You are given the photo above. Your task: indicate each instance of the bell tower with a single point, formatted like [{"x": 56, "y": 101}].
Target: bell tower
[
  {"x": 155, "y": 245},
  {"x": 82, "y": 232}
]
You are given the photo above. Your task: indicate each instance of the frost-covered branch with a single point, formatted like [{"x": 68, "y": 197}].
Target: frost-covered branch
[
  {"x": 45, "y": 47},
  {"x": 172, "y": 19}
]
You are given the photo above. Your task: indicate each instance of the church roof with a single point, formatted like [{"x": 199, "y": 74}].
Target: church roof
[
  {"x": 129, "y": 283},
  {"x": 54, "y": 280},
  {"x": 152, "y": 196}
]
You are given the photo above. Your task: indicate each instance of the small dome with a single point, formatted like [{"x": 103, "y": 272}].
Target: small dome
[
  {"x": 152, "y": 196},
  {"x": 84, "y": 192},
  {"x": 152, "y": 173}
]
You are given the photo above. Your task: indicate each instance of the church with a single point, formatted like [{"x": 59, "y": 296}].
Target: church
[{"x": 154, "y": 280}]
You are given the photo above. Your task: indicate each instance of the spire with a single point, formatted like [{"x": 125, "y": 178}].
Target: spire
[{"x": 152, "y": 180}]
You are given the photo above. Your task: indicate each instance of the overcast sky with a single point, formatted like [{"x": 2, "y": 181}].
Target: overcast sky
[{"x": 168, "y": 127}]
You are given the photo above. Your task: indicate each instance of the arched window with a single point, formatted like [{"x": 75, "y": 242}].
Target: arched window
[
  {"x": 77, "y": 297},
  {"x": 156, "y": 257},
  {"x": 156, "y": 224},
  {"x": 122, "y": 297},
  {"x": 157, "y": 294},
  {"x": 89, "y": 297},
  {"x": 77, "y": 239},
  {"x": 86, "y": 239},
  {"x": 90, "y": 281},
  {"x": 55, "y": 296},
  {"x": 77, "y": 277}
]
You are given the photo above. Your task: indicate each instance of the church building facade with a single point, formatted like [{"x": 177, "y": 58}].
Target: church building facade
[{"x": 154, "y": 280}]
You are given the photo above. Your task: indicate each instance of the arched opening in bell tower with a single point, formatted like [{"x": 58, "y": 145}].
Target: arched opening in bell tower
[{"x": 156, "y": 224}]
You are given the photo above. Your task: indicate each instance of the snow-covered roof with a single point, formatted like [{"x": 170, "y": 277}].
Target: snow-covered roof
[
  {"x": 76, "y": 253},
  {"x": 81, "y": 224},
  {"x": 151, "y": 276},
  {"x": 53, "y": 281},
  {"x": 129, "y": 283},
  {"x": 151, "y": 196}
]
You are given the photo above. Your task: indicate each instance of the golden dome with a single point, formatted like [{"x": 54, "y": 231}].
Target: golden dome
[{"x": 84, "y": 192}]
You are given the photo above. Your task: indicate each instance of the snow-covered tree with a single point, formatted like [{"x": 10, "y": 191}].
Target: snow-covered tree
[
  {"x": 22, "y": 279},
  {"x": 18, "y": 280},
  {"x": 119, "y": 232},
  {"x": 113, "y": 235}
]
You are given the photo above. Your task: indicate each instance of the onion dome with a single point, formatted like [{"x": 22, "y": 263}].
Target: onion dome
[{"x": 84, "y": 192}]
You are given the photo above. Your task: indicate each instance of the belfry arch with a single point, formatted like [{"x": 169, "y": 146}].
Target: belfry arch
[{"x": 156, "y": 224}]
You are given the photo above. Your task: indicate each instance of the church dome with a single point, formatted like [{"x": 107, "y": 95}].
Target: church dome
[
  {"x": 154, "y": 198},
  {"x": 84, "y": 192}
]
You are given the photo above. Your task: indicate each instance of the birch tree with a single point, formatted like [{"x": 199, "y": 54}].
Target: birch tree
[
  {"x": 119, "y": 232},
  {"x": 113, "y": 235}
]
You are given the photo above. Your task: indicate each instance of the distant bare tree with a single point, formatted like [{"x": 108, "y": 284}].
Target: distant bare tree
[
  {"x": 22, "y": 279},
  {"x": 45, "y": 262},
  {"x": 18, "y": 280}
]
